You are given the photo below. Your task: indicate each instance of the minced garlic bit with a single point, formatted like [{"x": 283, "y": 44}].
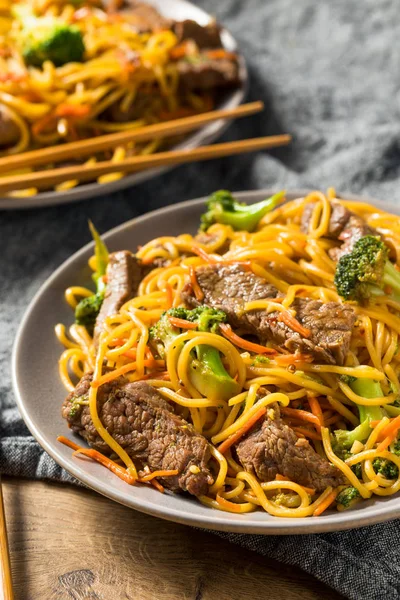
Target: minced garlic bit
[
  {"x": 357, "y": 447},
  {"x": 194, "y": 469}
]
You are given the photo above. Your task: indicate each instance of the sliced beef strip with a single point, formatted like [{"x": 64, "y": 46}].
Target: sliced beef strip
[
  {"x": 355, "y": 229},
  {"x": 9, "y": 131},
  {"x": 330, "y": 323},
  {"x": 274, "y": 448},
  {"x": 144, "y": 424},
  {"x": 124, "y": 274},
  {"x": 205, "y": 36},
  {"x": 203, "y": 73},
  {"x": 344, "y": 226},
  {"x": 230, "y": 287},
  {"x": 143, "y": 17},
  {"x": 338, "y": 219}
]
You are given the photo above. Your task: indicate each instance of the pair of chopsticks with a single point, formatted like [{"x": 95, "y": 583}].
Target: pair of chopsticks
[
  {"x": 6, "y": 589},
  {"x": 79, "y": 149}
]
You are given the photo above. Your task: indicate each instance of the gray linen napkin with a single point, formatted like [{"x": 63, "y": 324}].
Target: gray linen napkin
[{"x": 326, "y": 71}]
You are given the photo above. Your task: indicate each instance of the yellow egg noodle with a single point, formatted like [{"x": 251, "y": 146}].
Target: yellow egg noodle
[
  {"x": 121, "y": 68},
  {"x": 299, "y": 266}
]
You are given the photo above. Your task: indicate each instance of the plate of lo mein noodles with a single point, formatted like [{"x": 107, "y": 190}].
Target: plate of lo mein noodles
[
  {"x": 72, "y": 71},
  {"x": 231, "y": 362}
]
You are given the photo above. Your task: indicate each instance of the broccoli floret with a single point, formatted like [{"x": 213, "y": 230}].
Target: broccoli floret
[
  {"x": 208, "y": 319},
  {"x": 88, "y": 308},
  {"x": 367, "y": 388},
  {"x": 288, "y": 500},
  {"x": 206, "y": 371},
  {"x": 260, "y": 359},
  {"x": 348, "y": 379},
  {"x": 344, "y": 454},
  {"x": 223, "y": 208},
  {"x": 395, "y": 447},
  {"x": 162, "y": 334},
  {"x": 48, "y": 38},
  {"x": 386, "y": 468},
  {"x": 366, "y": 270},
  {"x": 347, "y": 497}
]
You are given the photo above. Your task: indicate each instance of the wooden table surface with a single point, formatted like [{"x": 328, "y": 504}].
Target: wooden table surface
[{"x": 72, "y": 544}]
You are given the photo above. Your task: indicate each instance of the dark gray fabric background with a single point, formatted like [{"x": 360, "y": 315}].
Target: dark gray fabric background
[{"x": 328, "y": 72}]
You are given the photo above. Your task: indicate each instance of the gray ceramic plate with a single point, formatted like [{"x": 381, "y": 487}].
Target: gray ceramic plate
[
  {"x": 40, "y": 393},
  {"x": 178, "y": 10}
]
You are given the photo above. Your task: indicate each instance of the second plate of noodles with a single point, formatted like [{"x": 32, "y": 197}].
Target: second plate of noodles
[
  {"x": 252, "y": 365},
  {"x": 75, "y": 70}
]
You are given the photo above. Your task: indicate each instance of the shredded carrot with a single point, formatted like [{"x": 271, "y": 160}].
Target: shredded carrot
[
  {"x": 279, "y": 477},
  {"x": 208, "y": 258},
  {"x": 164, "y": 376},
  {"x": 154, "y": 474},
  {"x": 326, "y": 503},
  {"x": 73, "y": 110},
  {"x": 113, "y": 374},
  {"x": 148, "y": 353},
  {"x": 373, "y": 424},
  {"x": 230, "y": 506},
  {"x": 100, "y": 458},
  {"x": 302, "y": 415},
  {"x": 63, "y": 440},
  {"x": 391, "y": 428},
  {"x": 240, "y": 432},
  {"x": 153, "y": 363},
  {"x": 131, "y": 353},
  {"x": 120, "y": 342},
  {"x": 220, "y": 53},
  {"x": 108, "y": 463},
  {"x": 198, "y": 292},
  {"x": 289, "y": 359},
  {"x": 122, "y": 370},
  {"x": 147, "y": 261},
  {"x": 290, "y": 321},
  {"x": 242, "y": 343},
  {"x": 41, "y": 124},
  {"x": 179, "y": 51},
  {"x": 386, "y": 442},
  {"x": 182, "y": 323},
  {"x": 157, "y": 485},
  {"x": 308, "y": 433},
  {"x": 316, "y": 408},
  {"x": 170, "y": 296}
]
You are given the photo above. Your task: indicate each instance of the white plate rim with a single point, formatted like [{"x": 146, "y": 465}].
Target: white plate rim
[
  {"x": 214, "y": 520},
  {"x": 205, "y": 135}
]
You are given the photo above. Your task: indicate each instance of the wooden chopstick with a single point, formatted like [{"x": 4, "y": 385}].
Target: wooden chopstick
[
  {"x": 81, "y": 148},
  {"x": 6, "y": 587},
  {"x": 82, "y": 173}
]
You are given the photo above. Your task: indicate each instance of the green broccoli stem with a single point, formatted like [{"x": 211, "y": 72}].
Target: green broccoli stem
[
  {"x": 211, "y": 358},
  {"x": 391, "y": 276},
  {"x": 246, "y": 217},
  {"x": 206, "y": 370},
  {"x": 88, "y": 308},
  {"x": 367, "y": 388},
  {"x": 209, "y": 376}
]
